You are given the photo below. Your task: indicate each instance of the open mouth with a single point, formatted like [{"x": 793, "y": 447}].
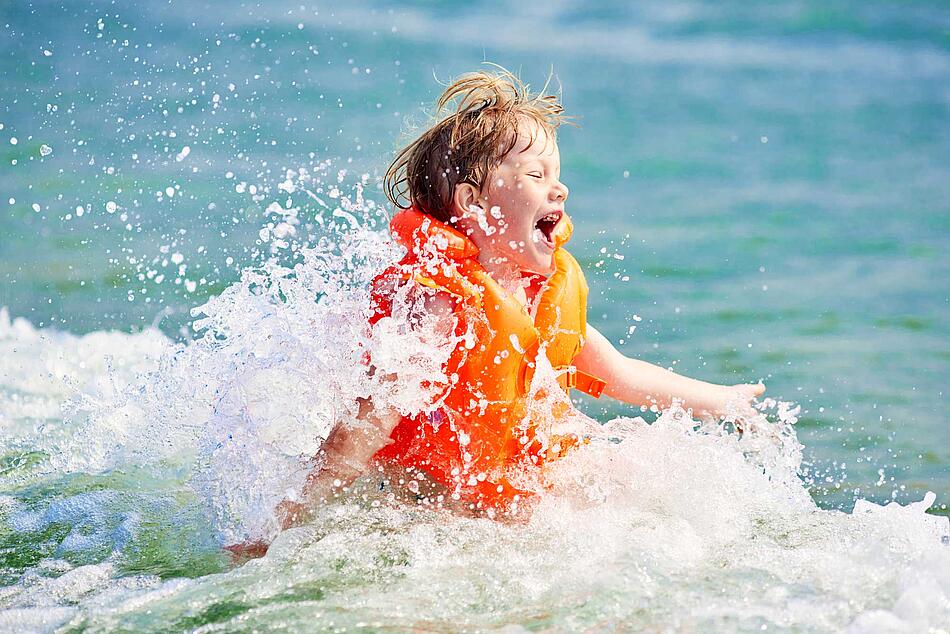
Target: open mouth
[{"x": 546, "y": 224}]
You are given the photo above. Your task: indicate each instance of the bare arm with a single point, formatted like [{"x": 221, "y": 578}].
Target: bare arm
[
  {"x": 348, "y": 450},
  {"x": 641, "y": 383},
  {"x": 345, "y": 455}
]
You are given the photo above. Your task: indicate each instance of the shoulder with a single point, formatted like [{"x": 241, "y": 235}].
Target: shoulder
[
  {"x": 396, "y": 295},
  {"x": 437, "y": 302}
]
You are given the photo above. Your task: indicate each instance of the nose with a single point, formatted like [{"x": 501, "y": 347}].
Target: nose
[{"x": 560, "y": 191}]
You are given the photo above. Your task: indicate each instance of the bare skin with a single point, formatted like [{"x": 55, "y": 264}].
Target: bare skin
[
  {"x": 344, "y": 456},
  {"x": 640, "y": 383},
  {"x": 524, "y": 188},
  {"x": 504, "y": 219}
]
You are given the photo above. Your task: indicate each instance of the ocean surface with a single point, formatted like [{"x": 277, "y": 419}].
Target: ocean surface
[{"x": 758, "y": 192}]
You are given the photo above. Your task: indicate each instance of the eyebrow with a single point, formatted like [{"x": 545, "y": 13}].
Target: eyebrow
[{"x": 546, "y": 161}]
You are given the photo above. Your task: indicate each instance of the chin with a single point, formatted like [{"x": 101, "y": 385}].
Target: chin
[{"x": 540, "y": 266}]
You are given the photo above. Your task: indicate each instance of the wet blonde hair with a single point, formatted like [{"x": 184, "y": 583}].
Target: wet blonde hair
[{"x": 487, "y": 111}]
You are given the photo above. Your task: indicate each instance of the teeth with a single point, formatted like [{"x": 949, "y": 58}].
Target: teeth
[{"x": 545, "y": 226}]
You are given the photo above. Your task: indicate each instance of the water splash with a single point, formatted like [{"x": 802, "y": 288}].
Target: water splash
[{"x": 677, "y": 522}]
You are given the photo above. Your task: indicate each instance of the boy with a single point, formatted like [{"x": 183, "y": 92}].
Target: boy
[{"x": 483, "y": 223}]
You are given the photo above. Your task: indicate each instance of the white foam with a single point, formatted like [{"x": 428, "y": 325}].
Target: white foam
[
  {"x": 676, "y": 524},
  {"x": 281, "y": 357}
]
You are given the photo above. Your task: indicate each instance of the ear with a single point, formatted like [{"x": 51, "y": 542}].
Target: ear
[{"x": 465, "y": 196}]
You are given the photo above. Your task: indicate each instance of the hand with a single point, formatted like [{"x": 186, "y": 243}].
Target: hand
[
  {"x": 355, "y": 444},
  {"x": 246, "y": 551},
  {"x": 344, "y": 456},
  {"x": 734, "y": 402},
  {"x": 748, "y": 391}
]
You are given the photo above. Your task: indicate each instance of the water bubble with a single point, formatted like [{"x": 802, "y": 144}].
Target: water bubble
[
  {"x": 45, "y": 150},
  {"x": 181, "y": 156},
  {"x": 13, "y": 140},
  {"x": 111, "y": 207}
]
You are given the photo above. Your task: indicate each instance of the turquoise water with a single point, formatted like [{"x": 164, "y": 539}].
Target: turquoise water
[{"x": 762, "y": 191}]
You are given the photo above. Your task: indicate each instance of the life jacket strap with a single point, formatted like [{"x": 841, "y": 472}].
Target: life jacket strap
[{"x": 586, "y": 383}]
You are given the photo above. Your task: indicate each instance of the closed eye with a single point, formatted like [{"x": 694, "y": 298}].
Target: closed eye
[{"x": 537, "y": 175}]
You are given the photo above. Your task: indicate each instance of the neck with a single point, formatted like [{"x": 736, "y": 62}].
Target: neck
[{"x": 502, "y": 270}]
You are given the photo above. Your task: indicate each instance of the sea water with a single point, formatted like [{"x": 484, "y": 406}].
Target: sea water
[{"x": 193, "y": 214}]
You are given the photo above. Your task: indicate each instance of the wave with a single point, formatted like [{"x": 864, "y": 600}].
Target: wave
[{"x": 123, "y": 449}]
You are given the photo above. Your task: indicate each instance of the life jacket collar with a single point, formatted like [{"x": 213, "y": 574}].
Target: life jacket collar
[
  {"x": 415, "y": 231},
  {"x": 562, "y": 231}
]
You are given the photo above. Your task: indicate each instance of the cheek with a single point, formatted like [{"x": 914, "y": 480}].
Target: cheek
[
  {"x": 509, "y": 210},
  {"x": 513, "y": 227}
]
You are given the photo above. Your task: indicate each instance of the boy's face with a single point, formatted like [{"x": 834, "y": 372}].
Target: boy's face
[{"x": 523, "y": 201}]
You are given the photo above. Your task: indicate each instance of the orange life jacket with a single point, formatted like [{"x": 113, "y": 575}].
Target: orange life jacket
[{"x": 481, "y": 435}]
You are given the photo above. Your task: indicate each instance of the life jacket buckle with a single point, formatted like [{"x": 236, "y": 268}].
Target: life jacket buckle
[
  {"x": 571, "y": 377},
  {"x": 574, "y": 379}
]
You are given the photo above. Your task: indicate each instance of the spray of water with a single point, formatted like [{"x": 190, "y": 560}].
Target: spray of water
[{"x": 679, "y": 521}]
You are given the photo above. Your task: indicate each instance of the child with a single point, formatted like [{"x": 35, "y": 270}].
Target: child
[{"x": 483, "y": 221}]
